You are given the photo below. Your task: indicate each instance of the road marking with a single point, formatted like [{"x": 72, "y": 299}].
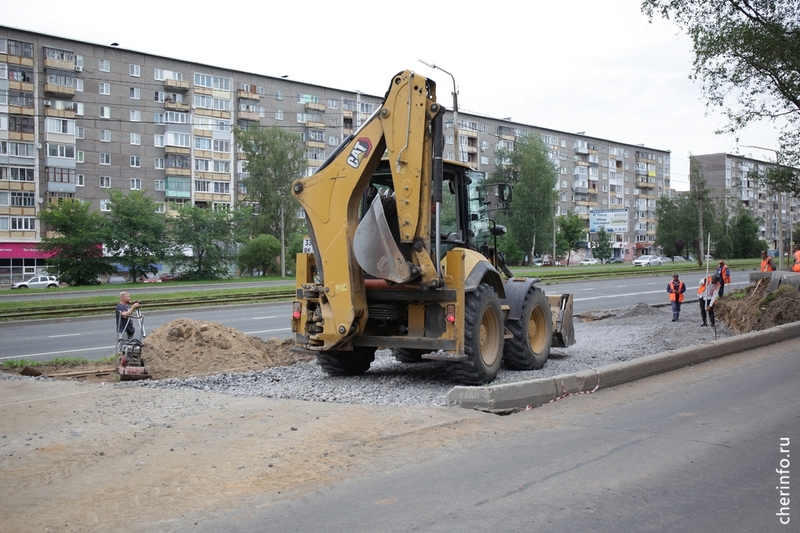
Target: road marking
[
  {"x": 66, "y": 335},
  {"x": 267, "y": 331},
  {"x": 261, "y": 317},
  {"x": 589, "y": 289},
  {"x": 614, "y": 295},
  {"x": 23, "y": 356}
]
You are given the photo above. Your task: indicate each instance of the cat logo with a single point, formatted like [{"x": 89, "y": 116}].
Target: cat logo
[{"x": 361, "y": 149}]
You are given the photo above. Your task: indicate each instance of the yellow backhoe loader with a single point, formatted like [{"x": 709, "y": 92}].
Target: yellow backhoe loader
[{"x": 403, "y": 255}]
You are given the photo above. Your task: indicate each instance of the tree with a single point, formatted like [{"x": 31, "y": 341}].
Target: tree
[
  {"x": 573, "y": 230},
  {"x": 275, "y": 158},
  {"x": 677, "y": 224},
  {"x": 134, "y": 233},
  {"x": 602, "y": 245},
  {"x": 748, "y": 50},
  {"x": 259, "y": 255},
  {"x": 77, "y": 254},
  {"x": 533, "y": 177},
  {"x": 202, "y": 240},
  {"x": 744, "y": 237}
]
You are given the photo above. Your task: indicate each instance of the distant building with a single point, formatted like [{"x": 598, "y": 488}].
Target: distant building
[
  {"x": 78, "y": 119},
  {"x": 732, "y": 177}
]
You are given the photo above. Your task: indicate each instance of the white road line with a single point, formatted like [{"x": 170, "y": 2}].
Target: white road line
[
  {"x": 66, "y": 335},
  {"x": 589, "y": 289},
  {"x": 24, "y": 356},
  {"x": 267, "y": 331},
  {"x": 261, "y": 317}
]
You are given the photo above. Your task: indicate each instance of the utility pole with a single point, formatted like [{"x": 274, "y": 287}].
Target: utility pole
[
  {"x": 697, "y": 188},
  {"x": 456, "y": 139}
]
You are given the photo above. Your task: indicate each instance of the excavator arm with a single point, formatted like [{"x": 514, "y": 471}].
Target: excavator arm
[{"x": 344, "y": 246}]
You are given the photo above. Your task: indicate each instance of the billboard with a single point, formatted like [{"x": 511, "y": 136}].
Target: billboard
[{"x": 614, "y": 220}]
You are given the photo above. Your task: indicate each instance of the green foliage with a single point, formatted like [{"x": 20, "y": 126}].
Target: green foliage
[
  {"x": 744, "y": 237},
  {"x": 134, "y": 233},
  {"x": 202, "y": 242},
  {"x": 747, "y": 51},
  {"x": 275, "y": 158},
  {"x": 572, "y": 229},
  {"x": 260, "y": 255},
  {"x": 602, "y": 250},
  {"x": 77, "y": 255},
  {"x": 533, "y": 176}
]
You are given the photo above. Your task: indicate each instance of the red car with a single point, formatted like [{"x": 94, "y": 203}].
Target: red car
[
  {"x": 170, "y": 277},
  {"x": 150, "y": 278}
]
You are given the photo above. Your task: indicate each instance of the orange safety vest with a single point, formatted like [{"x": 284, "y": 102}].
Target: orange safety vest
[
  {"x": 724, "y": 273},
  {"x": 702, "y": 289},
  {"x": 796, "y": 266},
  {"x": 676, "y": 294},
  {"x": 767, "y": 265}
]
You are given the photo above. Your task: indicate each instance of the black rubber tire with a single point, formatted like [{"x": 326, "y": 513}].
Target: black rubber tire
[
  {"x": 529, "y": 348},
  {"x": 483, "y": 338},
  {"x": 409, "y": 355},
  {"x": 342, "y": 363}
]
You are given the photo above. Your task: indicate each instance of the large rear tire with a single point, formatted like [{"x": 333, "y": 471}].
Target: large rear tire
[
  {"x": 483, "y": 338},
  {"x": 529, "y": 347},
  {"x": 343, "y": 363}
]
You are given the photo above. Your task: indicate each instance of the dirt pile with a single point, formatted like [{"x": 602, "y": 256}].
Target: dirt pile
[{"x": 752, "y": 309}]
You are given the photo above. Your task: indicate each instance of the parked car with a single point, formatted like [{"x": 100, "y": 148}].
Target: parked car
[
  {"x": 543, "y": 262},
  {"x": 678, "y": 258},
  {"x": 647, "y": 260},
  {"x": 37, "y": 282},
  {"x": 150, "y": 278},
  {"x": 116, "y": 280},
  {"x": 664, "y": 259},
  {"x": 616, "y": 260},
  {"x": 590, "y": 261},
  {"x": 171, "y": 276}
]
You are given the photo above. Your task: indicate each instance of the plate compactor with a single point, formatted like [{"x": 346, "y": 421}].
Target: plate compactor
[{"x": 131, "y": 362}]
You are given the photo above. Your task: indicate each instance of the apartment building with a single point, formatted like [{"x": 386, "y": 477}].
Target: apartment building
[
  {"x": 78, "y": 119},
  {"x": 732, "y": 178}
]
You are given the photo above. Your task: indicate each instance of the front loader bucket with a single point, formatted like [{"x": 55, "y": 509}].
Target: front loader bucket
[{"x": 563, "y": 329}]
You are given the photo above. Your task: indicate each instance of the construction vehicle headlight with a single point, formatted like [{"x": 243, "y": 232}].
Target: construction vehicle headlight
[
  {"x": 296, "y": 310},
  {"x": 450, "y": 313}
]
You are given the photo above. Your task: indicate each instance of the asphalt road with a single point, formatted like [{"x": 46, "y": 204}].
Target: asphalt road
[
  {"x": 94, "y": 337},
  {"x": 698, "y": 449}
]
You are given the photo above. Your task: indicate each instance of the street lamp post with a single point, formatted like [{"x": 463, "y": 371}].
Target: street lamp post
[
  {"x": 455, "y": 108},
  {"x": 780, "y": 203}
]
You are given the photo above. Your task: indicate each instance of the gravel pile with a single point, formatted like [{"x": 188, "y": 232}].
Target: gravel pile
[{"x": 628, "y": 333}]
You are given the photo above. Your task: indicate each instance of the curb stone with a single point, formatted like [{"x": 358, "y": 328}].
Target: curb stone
[{"x": 517, "y": 396}]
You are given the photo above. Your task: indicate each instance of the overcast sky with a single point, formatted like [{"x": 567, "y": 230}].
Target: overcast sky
[{"x": 590, "y": 66}]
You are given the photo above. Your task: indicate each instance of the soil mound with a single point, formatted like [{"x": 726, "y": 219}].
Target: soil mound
[{"x": 751, "y": 309}]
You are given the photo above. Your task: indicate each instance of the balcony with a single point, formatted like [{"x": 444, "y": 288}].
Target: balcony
[
  {"x": 177, "y": 85},
  {"x": 57, "y": 186},
  {"x": 644, "y": 185},
  {"x": 315, "y": 144},
  {"x": 60, "y": 90},
  {"x": 179, "y": 171},
  {"x": 176, "y": 106},
  {"x": 315, "y": 125},
  {"x": 177, "y": 188},
  {"x": 249, "y": 115},
  {"x": 310, "y": 106},
  {"x": 247, "y": 95},
  {"x": 60, "y": 64},
  {"x": 179, "y": 150}
]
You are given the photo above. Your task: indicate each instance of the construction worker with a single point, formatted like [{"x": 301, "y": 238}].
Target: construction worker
[
  {"x": 713, "y": 289},
  {"x": 796, "y": 265},
  {"x": 701, "y": 297},
  {"x": 676, "y": 288},
  {"x": 724, "y": 276},
  {"x": 767, "y": 265}
]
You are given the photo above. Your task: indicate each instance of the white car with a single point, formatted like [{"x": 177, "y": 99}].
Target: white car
[
  {"x": 590, "y": 261},
  {"x": 647, "y": 260},
  {"x": 37, "y": 282}
]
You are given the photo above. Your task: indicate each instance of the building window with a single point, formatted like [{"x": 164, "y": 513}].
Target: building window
[
  {"x": 105, "y": 205},
  {"x": 159, "y": 163},
  {"x": 105, "y": 182},
  {"x": 64, "y": 151},
  {"x": 79, "y": 156},
  {"x": 136, "y": 184},
  {"x": 79, "y": 132},
  {"x": 159, "y": 185},
  {"x": 23, "y": 223},
  {"x": 136, "y": 93},
  {"x": 105, "y": 111},
  {"x": 78, "y": 84},
  {"x": 105, "y": 158},
  {"x": 105, "y": 88},
  {"x": 161, "y": 207},
  {"x": 23, "y": 199},
  {"x": 135, "y": 70},
  {"x": 104, "y": 65},
  {"x": 136, "y": 115},
  {"x": 158, "y": 140},
  {"x": 81, "y": 180},
  {"x": 279, "y": 114},
  {"x": 136, "y": 138},
  {"x": 278, "y": 94},
  {"x": 136, "y": 161},
  {"x": 105, "y": 136}
]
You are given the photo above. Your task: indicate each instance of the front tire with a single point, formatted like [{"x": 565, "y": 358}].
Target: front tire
[
  {"x": 344, "y": 363},
  {"x": 529, "y": 347},
  {"x": 483, "y": 338}
]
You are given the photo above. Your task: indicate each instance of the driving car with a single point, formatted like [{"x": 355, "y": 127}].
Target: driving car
[
  {"x": 647, "y": 260},
  {"x": 590, "y": 261},
  {"x": 37, "y": 282}
]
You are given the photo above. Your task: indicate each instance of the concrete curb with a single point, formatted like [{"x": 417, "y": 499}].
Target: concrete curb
[{"x": 512, "y": 396}]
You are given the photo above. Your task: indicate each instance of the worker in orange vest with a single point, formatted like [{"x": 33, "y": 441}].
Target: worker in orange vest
[
  {"x": 712, "y": 289},
  {"x": 676, "y": 288},
  {"x": 796, "y": 266},
  {"x": 701, "y": 297},
  {"x": 767, "y": 265},
  {"x": 724, "y": 276}
]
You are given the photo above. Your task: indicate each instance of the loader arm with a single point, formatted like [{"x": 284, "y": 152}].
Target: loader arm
[{"x": 400, "y": 128}]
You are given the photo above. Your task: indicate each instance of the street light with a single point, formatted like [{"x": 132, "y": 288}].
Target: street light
[
  {"x": 455, "y": 107},
  {"x": 780, "y": 202}
]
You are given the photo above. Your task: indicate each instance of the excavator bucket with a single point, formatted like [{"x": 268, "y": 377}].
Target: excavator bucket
[{"x": 563, "y": 329}]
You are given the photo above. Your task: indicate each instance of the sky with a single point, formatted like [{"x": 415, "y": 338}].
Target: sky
[{"x": 598, "y": 67}]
